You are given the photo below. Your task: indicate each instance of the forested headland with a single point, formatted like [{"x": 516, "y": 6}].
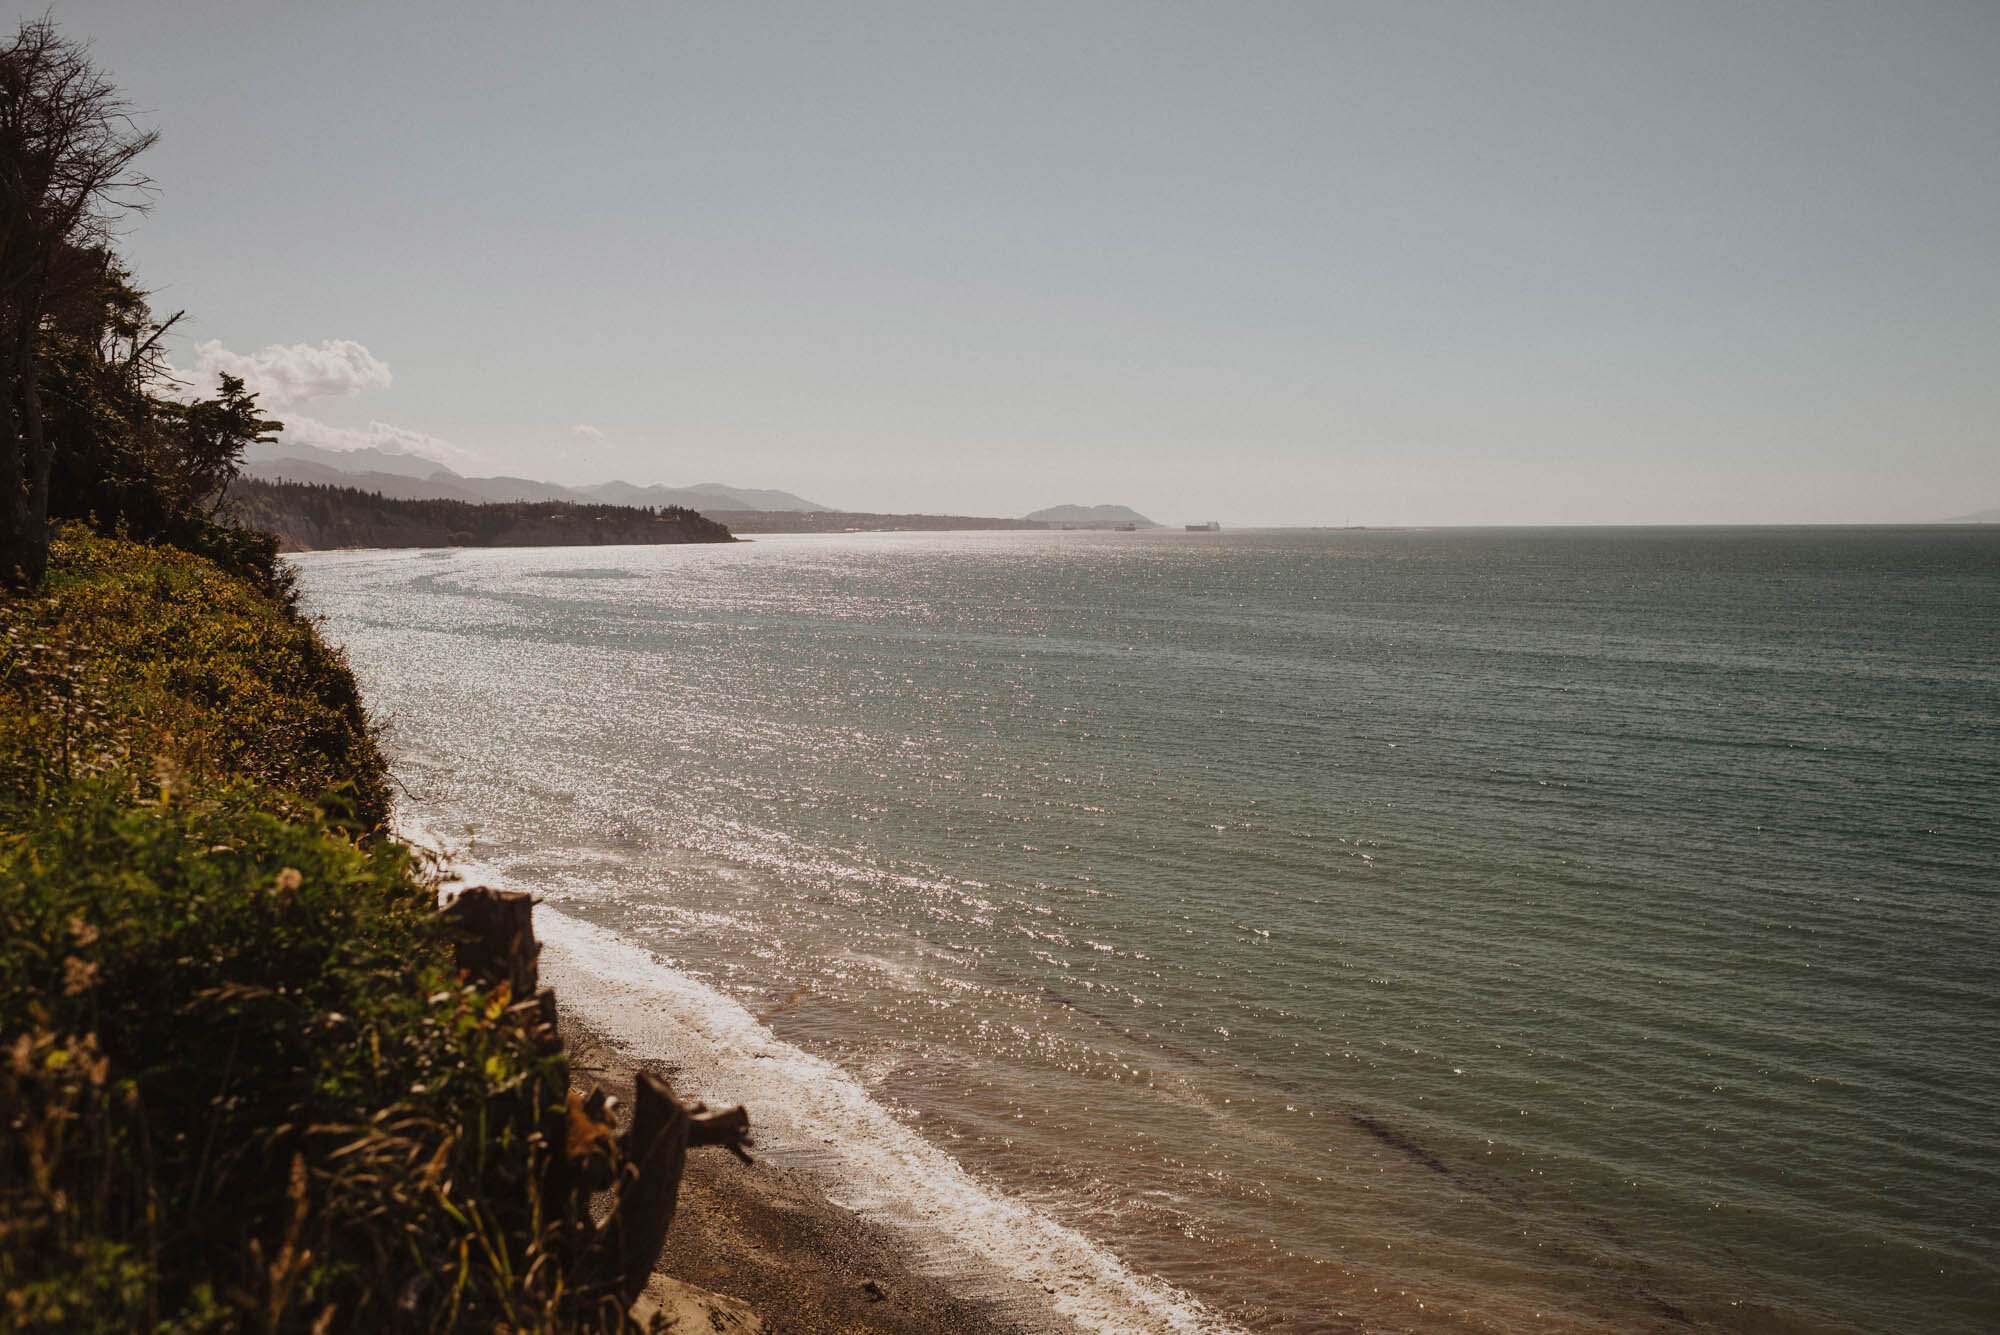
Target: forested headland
[{"x": 307, "y": 516}]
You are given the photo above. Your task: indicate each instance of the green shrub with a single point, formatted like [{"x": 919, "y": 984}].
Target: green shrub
[
  {"x": 241, "y": 1084},
  {"x": 150, "y": 663}
]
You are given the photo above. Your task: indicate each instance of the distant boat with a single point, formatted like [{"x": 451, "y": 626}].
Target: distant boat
[
  {"x": 1124, "y": 528},
  {"x": 1210, "y": 527}
]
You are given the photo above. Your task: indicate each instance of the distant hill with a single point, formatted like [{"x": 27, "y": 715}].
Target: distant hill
[
  {"x": 310, "y": 517},
  {"x": 381, "y": 520},
  {"x": 849, "y": 521},
  {"x": 499, "y": 490},
  {"x": 344, "y": 461},
  {"x": 1983, "y": 517},
  {"x": 411, "y": 477},
  {"x": 1092, "y": 516},
  {"x": 443, "y": 485},
  {"x": 707, "y": 496},
  {"x": 754, "y": 498},
  {"x": 624, "y": 493}
]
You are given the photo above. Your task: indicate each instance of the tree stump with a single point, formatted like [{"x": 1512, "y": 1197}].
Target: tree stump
[
  {"x": 496, "y": 940},
  {"x": 496, "y": 946},
  {"x": 663, "y": 1130},
  {"x": 656, "y": 1151}
]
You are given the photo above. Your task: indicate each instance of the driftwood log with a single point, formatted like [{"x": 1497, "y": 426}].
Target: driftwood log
[
  {"x": 663, "y": 1131},
  {"x": 496, "y": 944}
]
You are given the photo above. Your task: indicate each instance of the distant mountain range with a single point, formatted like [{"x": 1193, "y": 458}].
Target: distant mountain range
[
  {"x": 410, "y": 477},
  {"x": 1983, "y": 517},
  {"x": 1092, "y": 516}
]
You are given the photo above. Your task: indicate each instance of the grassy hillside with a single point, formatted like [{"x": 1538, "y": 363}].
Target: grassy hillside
[{"x": 244, "y": 1086}]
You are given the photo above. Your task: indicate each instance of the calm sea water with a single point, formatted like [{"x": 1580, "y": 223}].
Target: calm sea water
[{"x": 1466, "y": 930}]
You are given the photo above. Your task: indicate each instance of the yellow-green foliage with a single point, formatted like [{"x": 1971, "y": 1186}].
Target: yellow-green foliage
[
  {"x": 148, "y": 663},
  {"x": 242, "y": 1088}
]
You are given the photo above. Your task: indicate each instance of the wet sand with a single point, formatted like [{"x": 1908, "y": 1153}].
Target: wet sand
[{"x": 767, "y": 1234}]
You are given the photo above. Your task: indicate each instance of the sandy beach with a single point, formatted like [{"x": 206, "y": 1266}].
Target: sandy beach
[{"x": 767, "y": 1234}]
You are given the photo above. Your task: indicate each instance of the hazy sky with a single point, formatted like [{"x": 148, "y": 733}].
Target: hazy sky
[{"x": 1397, "y": 262}]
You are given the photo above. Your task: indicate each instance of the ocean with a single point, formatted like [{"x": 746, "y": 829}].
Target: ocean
[{"x": 1464, "y": 930}]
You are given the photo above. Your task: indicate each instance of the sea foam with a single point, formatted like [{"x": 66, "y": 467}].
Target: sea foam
[{"x": 808, "y": 1112}]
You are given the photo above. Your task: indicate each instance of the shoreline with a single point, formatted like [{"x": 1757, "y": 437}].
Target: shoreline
[
  {"x": 769, "y": 1235},
  {"x": 882, "y": 1190}
]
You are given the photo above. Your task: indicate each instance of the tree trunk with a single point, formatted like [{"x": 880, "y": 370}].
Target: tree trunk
[
  {"x": 24, "y": 466},
  {"x": 13, "y": 501},
  {"x": 496, "y": 938},
  {"x": 19, "y": 566},
  {"x": 36, "y": 458},
  {"x": 656, "y": 1147}
]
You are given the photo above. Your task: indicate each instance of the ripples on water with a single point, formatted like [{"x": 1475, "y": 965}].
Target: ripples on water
[{"x": 1566, "y": 929}]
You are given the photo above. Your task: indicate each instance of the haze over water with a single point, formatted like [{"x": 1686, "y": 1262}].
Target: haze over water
[{"x": 1542, "y": 929}]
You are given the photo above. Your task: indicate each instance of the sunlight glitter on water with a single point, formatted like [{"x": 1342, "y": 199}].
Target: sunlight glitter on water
[{"x": 1511, "y": 923}]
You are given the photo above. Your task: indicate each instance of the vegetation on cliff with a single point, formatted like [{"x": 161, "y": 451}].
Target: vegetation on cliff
[{"x": 243, "y": 1085}]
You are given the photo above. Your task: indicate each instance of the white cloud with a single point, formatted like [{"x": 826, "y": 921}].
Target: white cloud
[
  {"x": 287, "y": 373},
  {"x": 382, "y": 436},
  {"x": 586, "y": 431}
]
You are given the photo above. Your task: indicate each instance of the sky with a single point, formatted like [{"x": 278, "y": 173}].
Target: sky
[{"x": 1370, "y": 263}]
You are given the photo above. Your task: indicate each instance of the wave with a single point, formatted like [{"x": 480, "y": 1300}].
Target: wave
[{"x": 813, "y": 1115}]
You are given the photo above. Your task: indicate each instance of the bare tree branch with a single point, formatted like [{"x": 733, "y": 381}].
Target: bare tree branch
[{"x": 67, "y": 144}]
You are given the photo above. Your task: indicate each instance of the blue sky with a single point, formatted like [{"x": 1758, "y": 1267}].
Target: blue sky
[{"x": 1395, "y": 263}]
